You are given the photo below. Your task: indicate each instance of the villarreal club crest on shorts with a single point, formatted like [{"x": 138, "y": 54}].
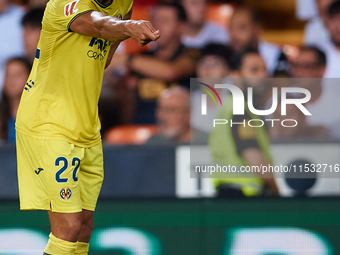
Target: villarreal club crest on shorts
[{"x": 65, "y": 193}]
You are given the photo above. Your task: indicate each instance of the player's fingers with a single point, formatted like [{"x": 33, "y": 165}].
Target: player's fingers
[
  {"x": 158, "y": 34},
  {"x": 150, "y": 26},
  {"x": 154, "y": 35},
  {"x": 144, "y": 40}
]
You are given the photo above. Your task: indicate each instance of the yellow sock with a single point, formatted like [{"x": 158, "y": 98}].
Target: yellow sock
[
  {"x": 82, "y": 248},
  {"x": 56, "y": 246}
]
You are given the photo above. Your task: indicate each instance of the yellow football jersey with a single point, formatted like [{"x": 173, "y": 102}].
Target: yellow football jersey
[{"x": 60, "y": 98}]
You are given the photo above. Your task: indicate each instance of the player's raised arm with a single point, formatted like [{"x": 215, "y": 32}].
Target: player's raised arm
[
  {"x": 115, "y": 45},
  {"x": 97, "y": 24}
]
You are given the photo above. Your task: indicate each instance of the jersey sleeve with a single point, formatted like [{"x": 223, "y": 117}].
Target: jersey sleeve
[
  {"x": 129, "y": 7},
  {"x": 63, "y": 12}
]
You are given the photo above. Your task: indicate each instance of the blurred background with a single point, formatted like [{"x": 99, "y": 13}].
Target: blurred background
[{"x": 149, "y": 204}]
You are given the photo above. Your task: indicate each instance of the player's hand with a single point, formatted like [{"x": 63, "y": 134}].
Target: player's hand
[{"x": 142, "y": 31}]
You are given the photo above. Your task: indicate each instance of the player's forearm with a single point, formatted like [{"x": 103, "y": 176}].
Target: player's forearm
[
  {"x": 97, "y": 24},
  {"x": 110, "y": 28},
  {"x": 114, "y": 45},
  {"x": 115, "y": 30}
]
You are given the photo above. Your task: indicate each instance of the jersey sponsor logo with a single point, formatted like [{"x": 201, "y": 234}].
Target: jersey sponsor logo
[
  {"x": 65, "y": 193},
  {"x": 39, "y": 170},
  {"x": 96, "y": 55},
  {"x": 70, "y": 8},
  {"x": 98, "y": 44}
]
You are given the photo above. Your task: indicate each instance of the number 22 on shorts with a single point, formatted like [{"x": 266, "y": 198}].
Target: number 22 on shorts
[{"x": 64, "y": 162}]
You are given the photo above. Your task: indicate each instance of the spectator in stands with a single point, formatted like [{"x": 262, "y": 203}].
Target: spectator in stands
[
  {"x": 332, "y": 49},
  {"x": 241, "y": 145},
  {"x": 169, "y": 63},
  {"x": 244, "y": 30},
  {"x": 31, "y": 23},
  {"x": 11, "y": 43},
  {"x": 173, "y": 117},
  {"x": 316, "y": 29},
  {"x": 17, "y": 71},
  {"x": 213, "y": 65},
  {"x": 311, "y": 63},
  {"x": 251, "y": 67},
  {"x": 214, "y": 62},
  {"x": 199, "y": 31},
  {"x": 249, "y": 64}
]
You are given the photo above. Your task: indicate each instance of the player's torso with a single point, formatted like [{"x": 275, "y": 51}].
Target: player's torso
[{"x": 61, "y": 96}]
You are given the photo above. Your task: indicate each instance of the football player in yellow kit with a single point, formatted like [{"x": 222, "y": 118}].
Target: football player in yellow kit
[{"x": 59, "y": 152}]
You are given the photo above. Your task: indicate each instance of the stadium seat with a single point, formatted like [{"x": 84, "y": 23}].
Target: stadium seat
[
  {"x": 130, "y": 134},
  {"x": 219, "y": 13}
]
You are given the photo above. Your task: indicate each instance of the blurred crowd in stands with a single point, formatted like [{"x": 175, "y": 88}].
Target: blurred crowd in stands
[{"x": 149, "y": 88}]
